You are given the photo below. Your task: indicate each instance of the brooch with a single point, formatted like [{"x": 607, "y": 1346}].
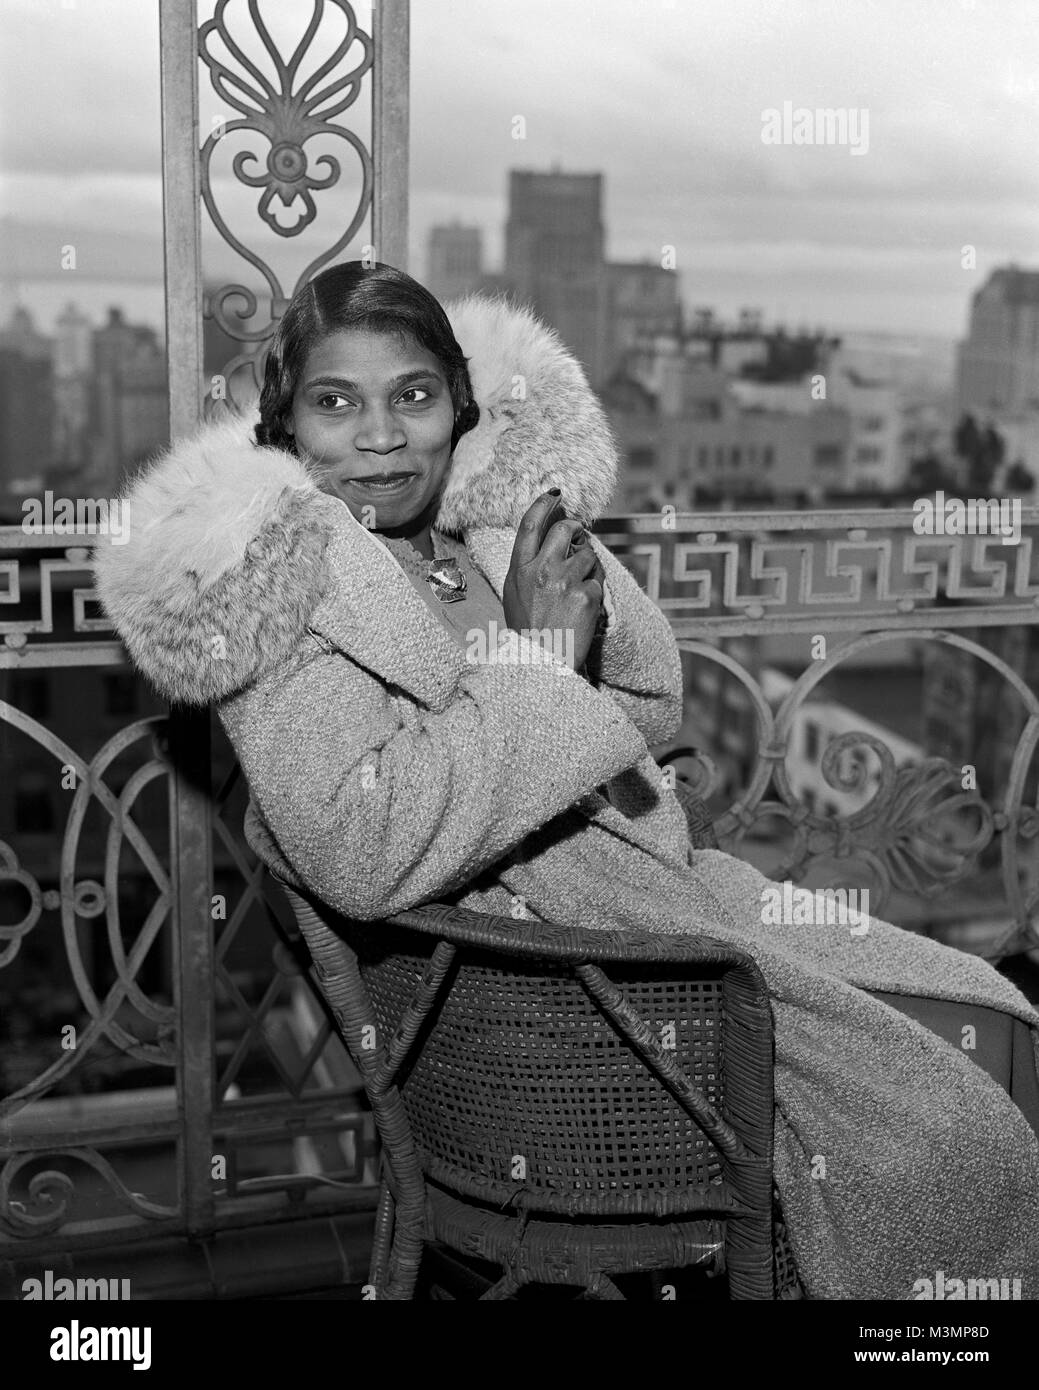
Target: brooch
[{"x": 445, "y": 578}]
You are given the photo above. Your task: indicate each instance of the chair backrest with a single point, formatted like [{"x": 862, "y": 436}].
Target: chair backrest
[
  {"x": 523, "y": 1084},
  {"x": 543, "y": 1080},
  {"x": 520, "y": 1082}
]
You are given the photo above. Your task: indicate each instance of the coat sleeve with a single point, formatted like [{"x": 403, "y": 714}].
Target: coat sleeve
[
  {"x": 637, "y": 662},
  {"x": 377, "y": 812}
]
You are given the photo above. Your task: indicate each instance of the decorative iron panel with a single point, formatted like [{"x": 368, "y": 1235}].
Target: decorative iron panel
[{"x": 140, "y": 906}]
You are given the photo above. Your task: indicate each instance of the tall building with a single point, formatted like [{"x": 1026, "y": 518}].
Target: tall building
[
  {"x": 998, "y": 369},
  {"x": 131, "y": 420},
  {"x": 642, "y": 301},
  {"x": 554, "y": 258},
  {"x": 73, "y": 379},
  {"x": 26, "y": 412},
  {"x": 21, "y": 335},
  {"x": 997, "y": 377},
  {"x": 73, "y": 344},
  {"x": 455, "y": 261},
  {"x": 26, "y": 431}
]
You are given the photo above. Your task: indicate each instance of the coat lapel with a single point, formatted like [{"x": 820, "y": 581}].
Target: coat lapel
[
  {"x": 490, "y": 549},
  {"x": 372, "y": 614}
]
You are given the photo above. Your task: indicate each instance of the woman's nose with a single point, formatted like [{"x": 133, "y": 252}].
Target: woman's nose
[{"x": 379, "y": 431}]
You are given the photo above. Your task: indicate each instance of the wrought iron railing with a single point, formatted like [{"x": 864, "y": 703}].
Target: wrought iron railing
[
  {"x": 953, "y": 821},
  {"x": 166, "y": 1072},
  {"x": 730, "y": 584}
]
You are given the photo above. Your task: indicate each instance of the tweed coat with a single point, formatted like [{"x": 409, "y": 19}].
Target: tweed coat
[{"x": 387, "y": 770}]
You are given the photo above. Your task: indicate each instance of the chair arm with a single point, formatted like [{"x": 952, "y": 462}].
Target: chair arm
[{"x": 521, "y": 938}]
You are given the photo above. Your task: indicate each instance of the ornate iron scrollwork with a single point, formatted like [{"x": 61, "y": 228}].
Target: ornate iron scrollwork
[{"x": 288, "y": 113}]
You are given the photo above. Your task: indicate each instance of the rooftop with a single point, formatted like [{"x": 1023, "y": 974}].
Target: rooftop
[{"x": 1015, "y": 285}]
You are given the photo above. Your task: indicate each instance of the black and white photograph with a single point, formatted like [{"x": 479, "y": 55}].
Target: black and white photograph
[{"x": 519, "y": 671}]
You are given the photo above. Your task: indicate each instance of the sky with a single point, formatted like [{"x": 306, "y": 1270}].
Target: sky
[{"x": 665, "y": 97}]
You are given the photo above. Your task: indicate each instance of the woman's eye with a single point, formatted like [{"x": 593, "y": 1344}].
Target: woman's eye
[
  {"x": 326, "y": 402},
  {"x": 414, "y": 395}
]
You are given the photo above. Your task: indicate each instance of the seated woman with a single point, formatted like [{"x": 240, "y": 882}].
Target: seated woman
[{"x": 442, "y": 689}]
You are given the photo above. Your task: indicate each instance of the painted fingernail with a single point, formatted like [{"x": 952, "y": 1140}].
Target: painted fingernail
[{"x": 555, "y": 491}]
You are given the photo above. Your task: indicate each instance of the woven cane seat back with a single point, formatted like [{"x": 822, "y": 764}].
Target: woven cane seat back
[{"x": 518, "y": 1084}]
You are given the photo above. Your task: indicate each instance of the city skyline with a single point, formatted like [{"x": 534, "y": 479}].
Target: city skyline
[
  {"x": 811, "y": 236},
  {"x": 702, "y": 410}
]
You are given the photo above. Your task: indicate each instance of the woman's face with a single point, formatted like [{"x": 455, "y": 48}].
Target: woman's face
[{"x": 374, "y": 411}]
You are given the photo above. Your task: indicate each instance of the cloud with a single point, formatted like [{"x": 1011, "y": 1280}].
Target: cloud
[
  {"x": 80, "y": 88},
  {"x": 665, "y": 97}
]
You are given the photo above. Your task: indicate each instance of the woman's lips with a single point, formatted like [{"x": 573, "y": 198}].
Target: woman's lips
[{"x": 393, "y": 482}]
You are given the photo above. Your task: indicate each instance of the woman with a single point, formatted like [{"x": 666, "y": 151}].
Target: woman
[{"x": 354, "y": 593}]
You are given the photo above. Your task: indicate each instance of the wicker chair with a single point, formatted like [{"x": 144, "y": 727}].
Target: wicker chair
[{"x": 567, "y": 1106}]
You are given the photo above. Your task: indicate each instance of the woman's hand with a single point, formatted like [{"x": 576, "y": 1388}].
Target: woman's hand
[{"x": 555, "y": 580}]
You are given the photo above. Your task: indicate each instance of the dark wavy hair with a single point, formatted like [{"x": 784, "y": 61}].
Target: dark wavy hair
[{"x": 376, "y": 299}]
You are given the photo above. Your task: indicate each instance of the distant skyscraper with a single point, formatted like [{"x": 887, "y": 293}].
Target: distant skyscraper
[
  {"x": 26, "y": 430},
  {"x": 26, "y": 411},
  {"x": 554, "y": 258},
  {"x": 999, "y": 361},
  {"x": 21, "y": 335},
  {"x": 131, "y": 399},
  {"x": 73, "y": 344},
  {"x": 455, "y": 264},
  {"x": 642, "y": 302},
  {"x": 73, "y": 376}
]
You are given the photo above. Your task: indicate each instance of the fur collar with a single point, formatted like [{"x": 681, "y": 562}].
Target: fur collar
[{"x": 232, "y": 549}]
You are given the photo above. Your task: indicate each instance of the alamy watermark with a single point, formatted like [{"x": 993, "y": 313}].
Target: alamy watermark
[
  {"x": 80, "y": 1342},
  {"x": 482, "y": 645},
  {"x": 977, "y": 516},
  {"x": 62, "y": 1288},
  {"x": 944, "y": 1289},
  {"x": 68, "y": 516},
  {"x": 784, "y": 905},
  {"x": 801, "y": 125}
]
